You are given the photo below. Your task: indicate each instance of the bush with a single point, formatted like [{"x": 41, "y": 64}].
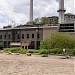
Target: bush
[
  {"x": 22, "y": 51},
  {"x": 50, "y": 51},
  {"x": 55, "y": 51},
  {"x": 70, "y": 51},
  {"x": 32, "y": 51},
  {"x": 15, "y": 50},
  {"x": 58, "y": 40},
  {"x": 36, "y": 51},
  {"x": 73, "y": 52},
  {"x": 42, "y": 51}
]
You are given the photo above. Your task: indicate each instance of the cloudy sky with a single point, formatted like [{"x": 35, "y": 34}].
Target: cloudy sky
[{"x": 17, "y": 11}]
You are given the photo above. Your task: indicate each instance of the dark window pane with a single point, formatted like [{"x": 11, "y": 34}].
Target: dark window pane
[
  {"x": 22, "y": 36},
  {"x": 0, "y": 36},
  {"x": 9, "y": 36},
  {"x": 32, "y": 35},
  {"x": 18, "y": 36},
  {"x": 5, "y": 36},
  {"x": 27, "y": 35},
  {"x": 38, "y": 35},
  {"x": 32, "y": 45}
]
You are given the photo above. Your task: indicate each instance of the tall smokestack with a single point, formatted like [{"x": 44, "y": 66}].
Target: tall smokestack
[
  {"x": 61, "y": 11},
  {"x": 31, "y": 11}
]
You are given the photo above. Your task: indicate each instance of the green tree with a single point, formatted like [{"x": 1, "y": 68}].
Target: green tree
[
  {"x": 37, "y": 21},
  {"x": 44, "y": 20},
  {"x": 44, "y": 44},
  {"x": 58, "y": 40}
]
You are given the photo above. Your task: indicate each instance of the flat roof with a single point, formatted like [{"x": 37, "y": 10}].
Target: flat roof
[{"x": 28, "y": 27}]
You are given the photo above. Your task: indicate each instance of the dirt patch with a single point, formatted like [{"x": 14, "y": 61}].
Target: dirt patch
[{"x": 35, "y": 65}]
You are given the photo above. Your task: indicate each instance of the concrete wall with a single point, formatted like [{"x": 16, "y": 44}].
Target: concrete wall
[{"x": 48, "y": 31}]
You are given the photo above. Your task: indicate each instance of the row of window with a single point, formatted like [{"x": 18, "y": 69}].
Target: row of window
[
  {"x": 70, "y": 17},
  {"x": 5, "y": 36},
  {"x": 28, "y": 36},
  {"x": 19, "y": 36}
]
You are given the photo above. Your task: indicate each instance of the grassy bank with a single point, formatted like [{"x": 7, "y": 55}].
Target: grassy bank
[{"x": 41, "y": 51}]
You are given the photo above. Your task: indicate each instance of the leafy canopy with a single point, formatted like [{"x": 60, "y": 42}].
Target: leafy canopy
[{"x": 58, "y": 40}]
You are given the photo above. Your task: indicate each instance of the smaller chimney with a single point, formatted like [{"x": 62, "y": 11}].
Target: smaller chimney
[{"x": 61, "y": 11}]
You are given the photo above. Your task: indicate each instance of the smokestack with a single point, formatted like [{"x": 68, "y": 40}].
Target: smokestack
[
  {"x": 31, "y": 11},
  {"x": 61, "y": 11}
]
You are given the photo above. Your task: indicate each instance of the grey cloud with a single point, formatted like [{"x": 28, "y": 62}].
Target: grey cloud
[
  {"x": 21, "y": 8},
  {"x": 42, "y": 8}
]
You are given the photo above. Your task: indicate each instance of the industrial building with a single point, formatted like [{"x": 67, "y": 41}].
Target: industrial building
[{"x": 30, "y": 36}]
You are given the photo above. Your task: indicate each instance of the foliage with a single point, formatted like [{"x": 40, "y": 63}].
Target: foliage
[
  {"x": 55, "y": 51},
  {"x": 20, "y": 50},
  {"x": 42, "y": 20},
  {"x": 46, "y": 20},
  {"x": 15, "y": 50},
  {"x": 43, "y": 51},
  {"x": 32, "y": 51},
  {"x": 73, "y": 52},
  {"x": 50, "y": 51},
  {"x": 58, "y": 40},
  {"x": 37, "y": 21},
  {"x": 43, "y": 44}
]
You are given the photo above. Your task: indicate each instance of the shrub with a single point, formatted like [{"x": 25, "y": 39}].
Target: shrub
[
  {"x": 42, "y": 51},
  {"x": 58, "y": 40},
  {"x": 50, "y": 51},
  {"x": 22, "y": 51},
  {"x": 74, "y": 52},
  {"x": 15, "y": 50},
  {"x": 32, "y": 51},
  {"x": 43, "y": 44},
  {"x": 36, "y": 51},
  {"x": 70, "y": 51},
  {"x": 54, "y": 51}
]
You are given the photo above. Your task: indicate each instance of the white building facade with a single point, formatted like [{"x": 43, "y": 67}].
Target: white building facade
[{"x": 69, "y": 18}]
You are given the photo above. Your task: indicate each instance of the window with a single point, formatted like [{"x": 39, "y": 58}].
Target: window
[
  {"x": 68, "y": 16},
  {"x": 22, "y": 36},
  {"x": 0, "y": 36},
  {"x": 27, "y": 35},
  {"x": 5, "y": 36},
  {"x": 32, "y": 45},
  {"x": 38, "y": 35},
  {"x": 32, "y": 35},
  {"x": 9, "y": 36},
  {"x": 18, "y": 36}
]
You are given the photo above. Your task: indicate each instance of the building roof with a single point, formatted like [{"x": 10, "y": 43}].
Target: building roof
[
  {"x": 34, "y": 27},
  {"x": 70, "y": 14}
]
